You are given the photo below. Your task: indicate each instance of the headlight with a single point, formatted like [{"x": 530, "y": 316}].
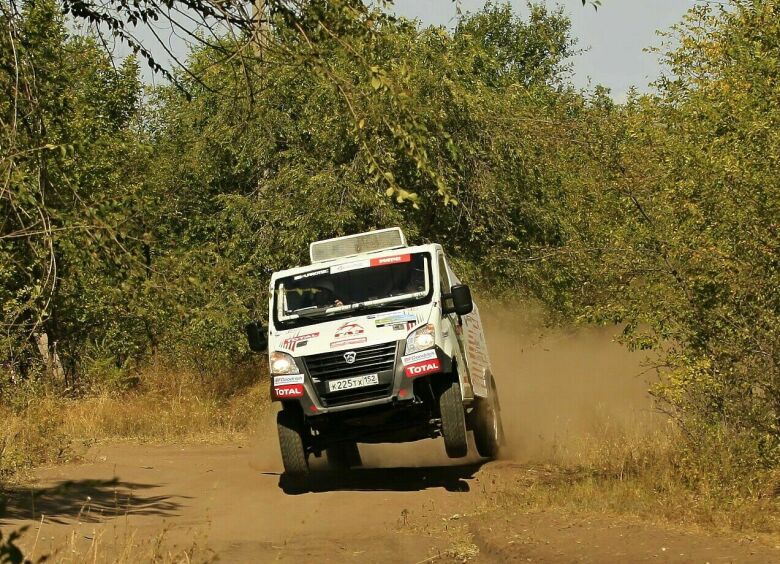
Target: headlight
[
  {"x": 282, "y": 363},
  {"x": 421, "y": 339}
]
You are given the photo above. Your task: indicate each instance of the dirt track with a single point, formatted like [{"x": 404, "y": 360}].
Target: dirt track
[
  {"x": 410, "y": 504},
  {"x": 218, "y": 498}
]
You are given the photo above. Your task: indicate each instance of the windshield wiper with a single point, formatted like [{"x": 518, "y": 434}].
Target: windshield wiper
[
  {"x": 373, "y": 307},
  {"x": 312, "y": 313}
]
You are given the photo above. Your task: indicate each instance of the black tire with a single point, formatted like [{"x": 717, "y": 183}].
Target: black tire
[
  {"x": 453, "y": 421},
  {"x": 343, "y": 456},
  {"x": 290, "y": 426},
  {"x": 488, "y": 429}
]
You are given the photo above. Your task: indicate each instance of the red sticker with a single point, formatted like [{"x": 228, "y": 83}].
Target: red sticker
[
  {"x": 396, "y": 259},
  {"x": 348, "y": 330},
  {"x": 291, "y": 391},
  {"x": 290, "y": 343},
  {"x": 424, "y": 367}
]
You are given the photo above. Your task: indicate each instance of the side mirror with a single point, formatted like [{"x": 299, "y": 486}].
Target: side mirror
[
  {"x": 460, "y": 296},
  {"x": 258, "y": 342}
]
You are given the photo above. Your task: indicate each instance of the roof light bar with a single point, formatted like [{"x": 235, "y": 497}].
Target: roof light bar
[{"x": 351, "y": 245}]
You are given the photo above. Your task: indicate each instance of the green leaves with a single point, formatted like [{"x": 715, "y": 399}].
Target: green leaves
[
  {"x": 70, "y": 205},
  {"x": 165, "y": 218}
]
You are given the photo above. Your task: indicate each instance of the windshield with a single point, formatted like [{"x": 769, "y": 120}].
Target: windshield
[{"x": 374, "y": 283}]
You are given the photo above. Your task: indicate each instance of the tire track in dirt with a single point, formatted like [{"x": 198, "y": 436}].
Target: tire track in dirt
[
  {"x": 216, "y": 499},
  {"x": 409, "y": 504}
]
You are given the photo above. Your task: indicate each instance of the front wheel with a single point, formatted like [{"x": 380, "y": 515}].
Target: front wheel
[
  {"x": 453, "y": 421},
  {"x": 290, "y": 427},
  {"x": 488, "y": 429}
]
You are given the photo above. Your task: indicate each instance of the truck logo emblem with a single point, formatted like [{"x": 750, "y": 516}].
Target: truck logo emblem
[{"x": 350, "y": 357}]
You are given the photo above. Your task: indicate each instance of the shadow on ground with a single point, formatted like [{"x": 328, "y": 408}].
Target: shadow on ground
[
  {"x": 451, "y": 478},
  {"x": 85, "y": 501}
]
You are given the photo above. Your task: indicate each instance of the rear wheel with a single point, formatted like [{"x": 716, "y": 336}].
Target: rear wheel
[
  {"x": 453, "y": 421},
  {"x": 488, "y": 430},
  {"x": 290, "y": 427},
  {"x": 343, "y": 456}
]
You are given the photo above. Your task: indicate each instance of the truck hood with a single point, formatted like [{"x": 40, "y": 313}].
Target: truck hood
[{"x": 350, "y": 332}]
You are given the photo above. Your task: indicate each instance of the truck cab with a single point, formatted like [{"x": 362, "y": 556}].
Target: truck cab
[{"x": 375, "y": 341}]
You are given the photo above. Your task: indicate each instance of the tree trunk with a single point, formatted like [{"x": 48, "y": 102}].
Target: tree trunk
[
  {"x": 50, "y": 357},
  {"x": 260, "y": 21}
]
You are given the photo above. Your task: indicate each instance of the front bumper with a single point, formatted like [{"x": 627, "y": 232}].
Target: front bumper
[{"x": 396, "y": 384}]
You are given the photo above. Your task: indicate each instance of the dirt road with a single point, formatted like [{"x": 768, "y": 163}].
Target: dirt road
[
  {"x": 228, "y": 502},
  {"x": 409, "y": 504}
]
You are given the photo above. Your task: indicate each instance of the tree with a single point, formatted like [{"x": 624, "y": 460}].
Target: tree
[
  {"x": 674, "y": 232},
  {"x": 244, "y": 188},
  {"x": 70, "y": 160}
]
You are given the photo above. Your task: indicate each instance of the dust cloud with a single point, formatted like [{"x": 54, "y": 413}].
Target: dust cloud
[
  {"x": 562, "y": 390},
  {"x": 561, "y": 387}
]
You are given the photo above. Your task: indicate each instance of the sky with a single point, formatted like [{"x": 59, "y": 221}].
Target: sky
[{"x": 614, "y": 36}]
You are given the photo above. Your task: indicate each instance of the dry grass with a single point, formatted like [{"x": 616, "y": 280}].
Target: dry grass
[
  {"x": 650, "y": 474},
  {"x": 42, "y": 427},
  {"x": 115, "y": 546},
  {"x": 628, "y": 469}
]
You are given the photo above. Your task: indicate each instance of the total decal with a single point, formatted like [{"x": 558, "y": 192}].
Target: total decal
[
  {"x": 421, "y": 363},
  {"x": 298, "y": 340},
  {"x": 291, "y": 391},
  {"x": 288, "y": 386}
]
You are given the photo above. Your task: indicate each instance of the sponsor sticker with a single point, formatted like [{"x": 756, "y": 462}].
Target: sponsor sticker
[
  {"x": 421, "y": 368},
  {"x": 395, "y": 259},
  {"x": 288, "y": 379},
  {"x": 349, "y": 329},
  {"x": 414, "y": 358},
  {"x": 311, "y": 274},
  {"x": 348, "y": 342},
  {"x": 392, "y": 319},
  {"x": 297, "y": 340},
  {"x": 291, "y": 391},
  {"x": 346, "y": 267}
]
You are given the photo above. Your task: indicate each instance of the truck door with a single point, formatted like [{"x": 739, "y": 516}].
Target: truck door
[
  {"x": 476, "y": 351},
  {"x": 472, "y": 352},
  {"x": 453, "y": 329}
]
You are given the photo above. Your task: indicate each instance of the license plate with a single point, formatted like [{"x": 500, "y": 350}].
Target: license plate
[{"x": 353, "y": 382}]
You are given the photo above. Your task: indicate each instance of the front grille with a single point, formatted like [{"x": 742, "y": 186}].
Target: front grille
[
  {"x": 368, "y": 360},
  {"x": 377, "y": 359}
]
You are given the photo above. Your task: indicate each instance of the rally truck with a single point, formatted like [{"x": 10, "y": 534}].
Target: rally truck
[{"x": 375, "y": 341}]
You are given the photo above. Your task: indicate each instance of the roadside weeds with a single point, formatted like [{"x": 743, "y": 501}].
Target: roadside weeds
[{"x": 167, "y": 406}]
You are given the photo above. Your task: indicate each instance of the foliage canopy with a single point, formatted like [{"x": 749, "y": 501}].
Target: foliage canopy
[{"x": 141, "y": 223}]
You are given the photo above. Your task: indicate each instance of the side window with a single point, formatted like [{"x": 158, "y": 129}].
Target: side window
[{"x": 444, "y": 277}]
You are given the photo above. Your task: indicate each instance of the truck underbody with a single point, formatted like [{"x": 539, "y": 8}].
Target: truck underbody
[{"x": 394, "y": 422}]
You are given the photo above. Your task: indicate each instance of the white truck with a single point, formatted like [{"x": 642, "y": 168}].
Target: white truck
[{"x": 375, "y": 341}]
